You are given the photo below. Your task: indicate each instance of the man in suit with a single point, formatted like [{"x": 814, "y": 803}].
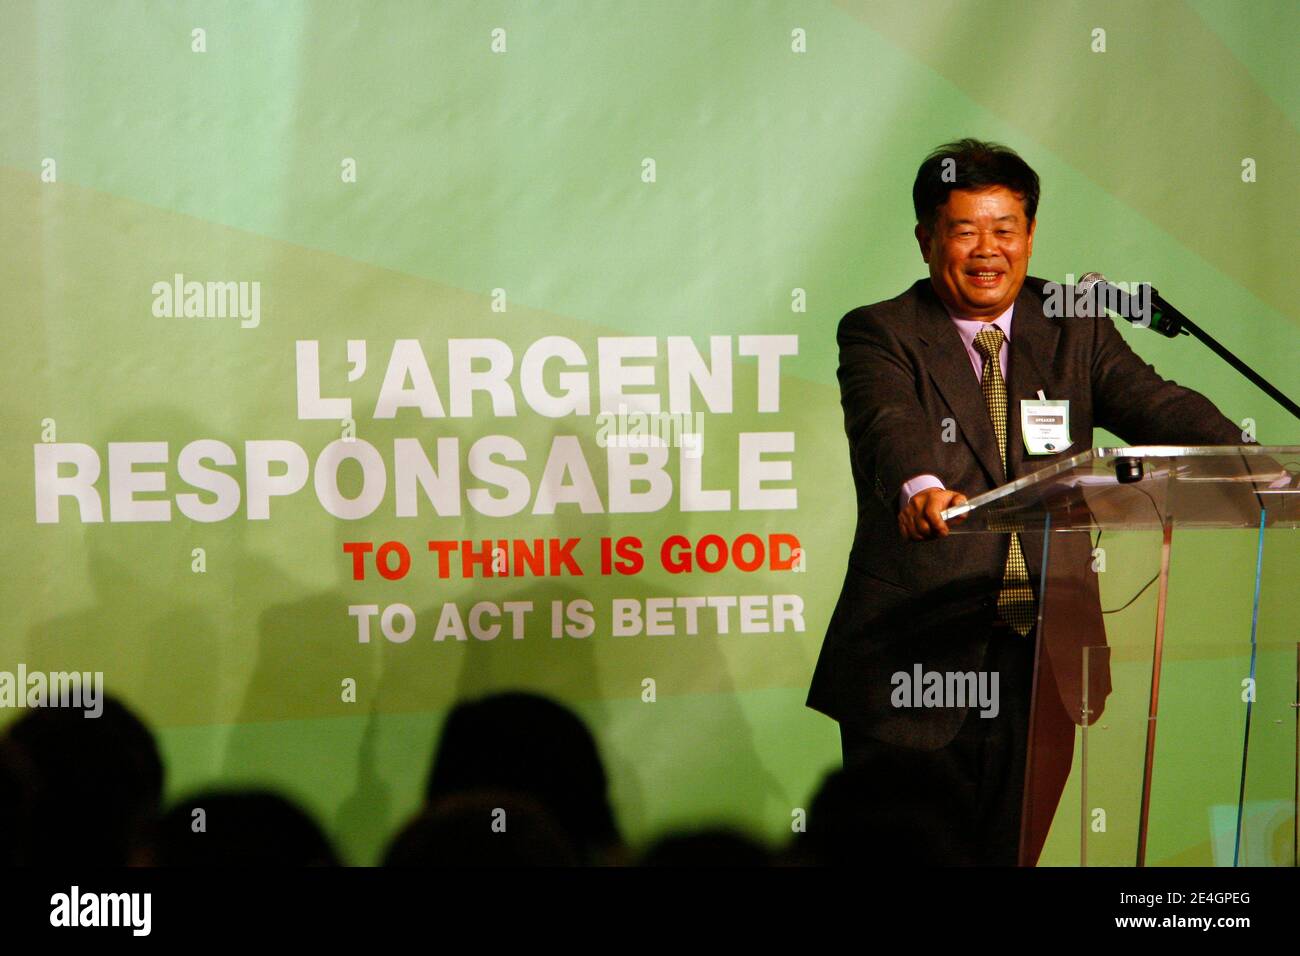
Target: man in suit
[{"x": 931, "y": 384}]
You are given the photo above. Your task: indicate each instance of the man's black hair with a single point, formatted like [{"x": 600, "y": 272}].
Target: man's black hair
[{"x": 974, "y": 165}]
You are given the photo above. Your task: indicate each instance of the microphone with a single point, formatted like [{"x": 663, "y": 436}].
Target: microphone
[{"x": 1147, "y": 307}]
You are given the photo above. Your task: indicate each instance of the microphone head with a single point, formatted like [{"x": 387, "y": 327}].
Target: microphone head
[{"x": 1086, "y": 282}]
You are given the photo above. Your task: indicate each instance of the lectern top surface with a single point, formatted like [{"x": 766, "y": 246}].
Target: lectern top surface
[{"x": 1143, "y": 487}]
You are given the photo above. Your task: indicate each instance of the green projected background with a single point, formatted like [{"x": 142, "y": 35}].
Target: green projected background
[{"x": 515, "y": 170}]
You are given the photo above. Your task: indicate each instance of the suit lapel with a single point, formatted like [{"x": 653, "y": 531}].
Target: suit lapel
[
  {"x": 1033, "y": 343},
  {"x": 949, "y": 366}
]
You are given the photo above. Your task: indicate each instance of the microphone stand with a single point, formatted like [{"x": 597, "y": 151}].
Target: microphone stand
[{"x": 1170, "y": 322}]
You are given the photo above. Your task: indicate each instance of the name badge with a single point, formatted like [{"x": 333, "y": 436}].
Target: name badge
[{"x": 1045, "y": 425}]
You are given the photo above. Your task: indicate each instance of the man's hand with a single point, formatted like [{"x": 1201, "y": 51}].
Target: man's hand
[{"x": 919, "y": 520}]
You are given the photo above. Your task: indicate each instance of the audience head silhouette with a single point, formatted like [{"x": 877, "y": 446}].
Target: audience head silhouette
[
  {"x": 93, "y": 782},
  {"x": 483, "y": 828},
  {"x": 526, "y": 744},
  {"x": 238, "y": 828}
]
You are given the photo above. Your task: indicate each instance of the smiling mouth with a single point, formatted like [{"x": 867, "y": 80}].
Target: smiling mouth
[{"x": 985, "y": 277}]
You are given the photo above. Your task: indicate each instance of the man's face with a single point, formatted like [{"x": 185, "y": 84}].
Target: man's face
[{"x": 979, "y": 251}]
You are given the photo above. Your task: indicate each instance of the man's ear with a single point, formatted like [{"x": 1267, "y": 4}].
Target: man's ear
[
  {"x": 923, "y": 240},
  {"x": 1029, "y": 244}
]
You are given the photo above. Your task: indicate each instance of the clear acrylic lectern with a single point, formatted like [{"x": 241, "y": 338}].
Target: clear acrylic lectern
[{"x": 1195, "y": 635}]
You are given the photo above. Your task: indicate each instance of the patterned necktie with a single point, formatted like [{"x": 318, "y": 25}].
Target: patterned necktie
[{"x": 1016, "y": 599}]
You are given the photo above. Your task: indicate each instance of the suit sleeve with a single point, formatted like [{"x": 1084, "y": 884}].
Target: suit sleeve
[
  {"x": 883, "y": 418},
  {"x": 1131, "y": 400}
]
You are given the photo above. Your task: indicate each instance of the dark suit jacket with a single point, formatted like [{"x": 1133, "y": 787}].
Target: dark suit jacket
[{"x": 903, "y": 371}]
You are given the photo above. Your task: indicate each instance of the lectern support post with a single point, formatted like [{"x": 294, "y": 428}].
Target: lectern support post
[{"x": 1153, "y": 705}]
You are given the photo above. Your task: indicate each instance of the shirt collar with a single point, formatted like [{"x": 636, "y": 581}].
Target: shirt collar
[{"x": 969, "y": 328}]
